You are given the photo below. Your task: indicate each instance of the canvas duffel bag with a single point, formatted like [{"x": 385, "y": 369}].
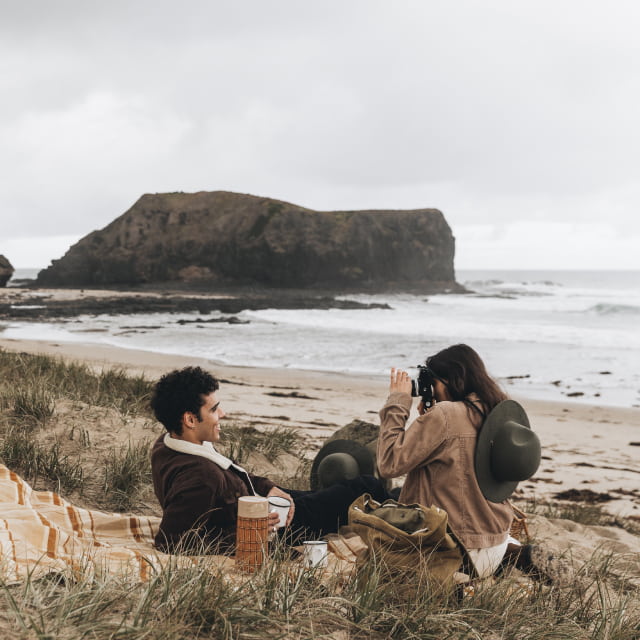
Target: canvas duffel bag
[{"x": 408, "y": 541}]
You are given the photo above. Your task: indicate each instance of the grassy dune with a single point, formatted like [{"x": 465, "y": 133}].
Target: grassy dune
[{"x": 86, "y": 434}]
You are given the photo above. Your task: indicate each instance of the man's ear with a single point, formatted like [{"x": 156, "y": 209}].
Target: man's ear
[{"x": 188, "y": 420}]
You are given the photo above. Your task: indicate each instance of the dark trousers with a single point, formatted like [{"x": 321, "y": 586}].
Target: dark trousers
[{"x": 324, "y": 511}]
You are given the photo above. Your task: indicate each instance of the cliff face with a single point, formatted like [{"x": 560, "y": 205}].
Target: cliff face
[{"x": 235, "y": 239}]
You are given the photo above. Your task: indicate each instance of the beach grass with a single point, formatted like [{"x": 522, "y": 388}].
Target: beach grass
[
  {"x": 240, "y": 441},
  {"x": 36, "y": 462},
  {"x": 33, "y": 382},
  {"x": 599, "y": 600},
  {"x": 285, "y": 601},
  {"x": 35, "y": 404},
  {"x": 126, "y": 470},
  {"x": 32, "y": 388}
]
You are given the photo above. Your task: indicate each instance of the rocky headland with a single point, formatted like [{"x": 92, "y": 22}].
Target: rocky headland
[
  {"x": 6, "y": 271},
  {"x": 212, "y": 240}
]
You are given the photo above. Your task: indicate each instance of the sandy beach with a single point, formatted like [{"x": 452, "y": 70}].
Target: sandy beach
[{"x": 590, "y": 449}]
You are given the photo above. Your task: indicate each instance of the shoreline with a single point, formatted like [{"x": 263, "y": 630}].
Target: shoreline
[
  {"x": 604, "y": 376},
  {"x": 587, "y": 449}
]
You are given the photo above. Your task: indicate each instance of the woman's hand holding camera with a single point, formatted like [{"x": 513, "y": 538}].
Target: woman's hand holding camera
[{"x": 400, "y": 381}]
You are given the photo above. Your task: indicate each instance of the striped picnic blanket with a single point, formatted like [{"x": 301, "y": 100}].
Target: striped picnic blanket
[{"x": 40, "y": 533}]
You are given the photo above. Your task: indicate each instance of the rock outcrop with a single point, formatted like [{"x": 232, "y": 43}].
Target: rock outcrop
[
  {"x": 6, "y": 271},
  {"x": 235, "y": 239}
]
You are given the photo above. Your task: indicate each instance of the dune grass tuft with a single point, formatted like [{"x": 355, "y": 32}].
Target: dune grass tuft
[
  {"x": 240, "y": 441},
  {"x": 32, "y": 403},
  {"x": 23, "y": 454},
  {"x": 126, "y": 470}
]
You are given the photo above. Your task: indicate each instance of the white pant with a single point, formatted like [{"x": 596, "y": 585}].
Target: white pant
[{"x": 488, "y": 559}]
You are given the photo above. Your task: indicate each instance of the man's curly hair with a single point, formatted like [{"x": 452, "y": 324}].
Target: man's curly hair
[{"x": 180, "y": 391}]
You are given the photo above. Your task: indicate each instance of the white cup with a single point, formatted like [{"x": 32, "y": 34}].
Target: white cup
[
  {"x": 314, "y": 554},
  {"x": 280, "y": 506}
]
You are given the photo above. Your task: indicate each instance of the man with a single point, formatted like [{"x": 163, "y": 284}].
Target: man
[{"x": 198, "y": 488}]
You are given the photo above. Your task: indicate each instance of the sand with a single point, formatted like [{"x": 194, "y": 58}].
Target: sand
[{"x": 586, "y": 448}]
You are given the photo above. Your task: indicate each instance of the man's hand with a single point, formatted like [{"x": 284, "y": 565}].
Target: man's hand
[
  {"x": 400, "y": 381},
  {"x": 274, "y": 518},
  {"x": 280, "y": 493}
]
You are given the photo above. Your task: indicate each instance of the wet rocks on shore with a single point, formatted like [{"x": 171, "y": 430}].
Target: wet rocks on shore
[{"x": 34, "y": 304}]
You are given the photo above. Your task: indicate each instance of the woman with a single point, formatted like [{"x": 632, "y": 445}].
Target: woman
[{"x": 437, "y": 450}]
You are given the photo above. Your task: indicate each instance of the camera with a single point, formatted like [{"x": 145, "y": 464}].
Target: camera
[{"x": 422, "y": 386}]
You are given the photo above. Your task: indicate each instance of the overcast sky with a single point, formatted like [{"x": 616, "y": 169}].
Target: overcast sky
[{"x": 519, "y": 120}]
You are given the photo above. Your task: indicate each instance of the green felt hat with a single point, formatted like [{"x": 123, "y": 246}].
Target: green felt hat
[
  {"x": 507, "y": 451},
  {"x": 340, "y": 460}
]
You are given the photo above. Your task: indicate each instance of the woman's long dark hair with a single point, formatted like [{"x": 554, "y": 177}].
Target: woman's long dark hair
[{"x": 464, "y": 373}]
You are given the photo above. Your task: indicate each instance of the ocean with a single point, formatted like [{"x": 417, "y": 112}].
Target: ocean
[{"x": 557, "y": 335}]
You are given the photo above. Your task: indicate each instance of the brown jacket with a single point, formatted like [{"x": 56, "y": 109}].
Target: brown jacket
[
  {"x": 199, "y": 499},
  {"x": 437, "y": 453}
]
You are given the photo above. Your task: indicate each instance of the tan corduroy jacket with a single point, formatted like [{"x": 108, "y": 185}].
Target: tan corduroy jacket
[{"x": 437, "y": 452}]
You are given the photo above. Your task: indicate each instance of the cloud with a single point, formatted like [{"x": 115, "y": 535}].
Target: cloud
[
  {"x": 78, "y": 161},
  {"x": 35, "y": 252}
]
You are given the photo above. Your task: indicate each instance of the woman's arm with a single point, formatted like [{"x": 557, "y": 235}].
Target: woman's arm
[{"x": 399, "y": 450}]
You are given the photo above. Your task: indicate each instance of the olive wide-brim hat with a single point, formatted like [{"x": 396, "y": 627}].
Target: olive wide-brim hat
[
  {"x": 340, "y": 460},
  {"x": 507, "y": 451}
]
